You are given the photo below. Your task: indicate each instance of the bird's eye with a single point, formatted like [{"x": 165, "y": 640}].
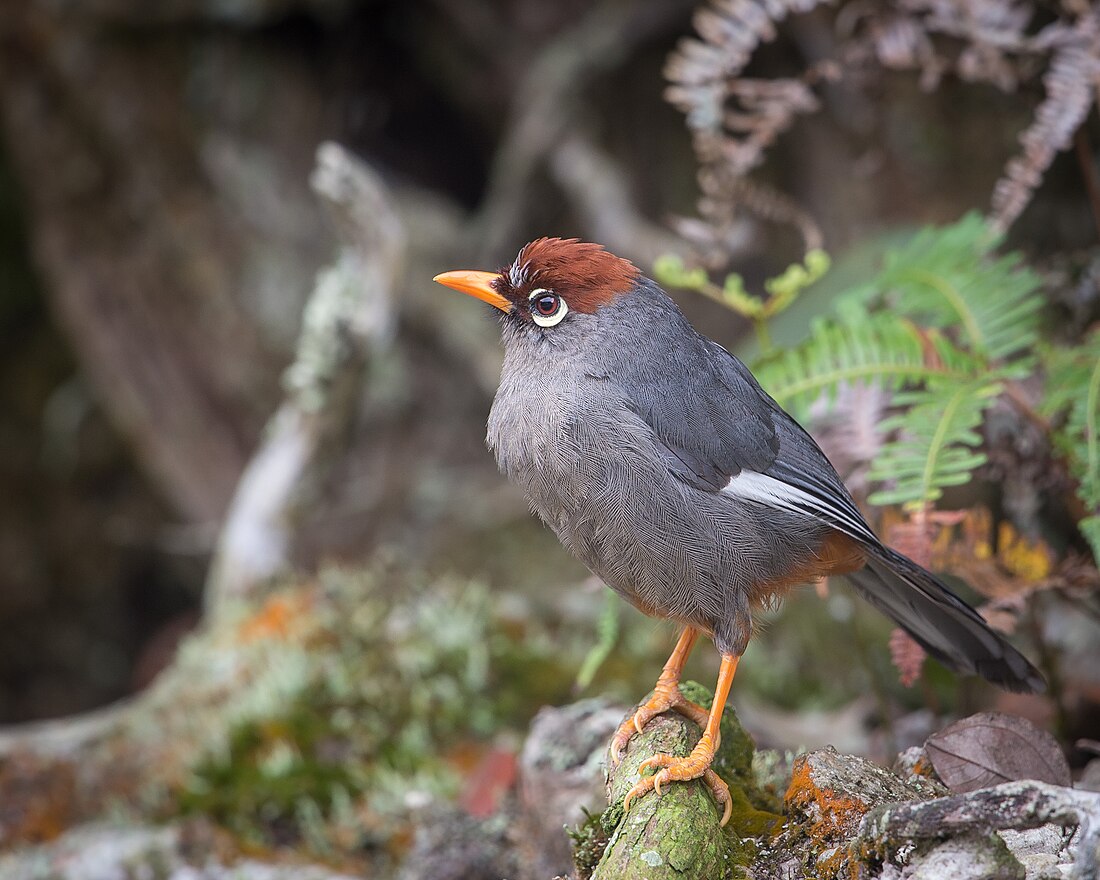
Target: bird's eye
[{"x": 547, "y": 308}]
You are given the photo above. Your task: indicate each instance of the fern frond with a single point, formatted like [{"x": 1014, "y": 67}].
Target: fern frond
[
  {"x": 941, "y": 327},
  {"x": 936, "y": 443},
  {"x": 1070, "y": 84},
  {"x": 949, "y": 277},
  {"x": 1090, "y": 528},
  {"x": 1073, "y": 392},
  {"x": 879, "y": 349}
]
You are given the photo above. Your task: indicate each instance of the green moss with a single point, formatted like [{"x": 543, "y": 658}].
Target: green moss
[
  {"x": 747, "y": 820},
  {"x": 734, "y": 758},
  {"x": 612, "y": 816},
  {"x": 589, "y": 842},
  {"x": 274, "y": 772},
  {"x": 352, "y": 691},
  {"x": 734, "y": 763}
]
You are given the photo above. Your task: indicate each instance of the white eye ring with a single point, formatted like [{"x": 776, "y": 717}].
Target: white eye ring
[{"x": 539, "y": 317}]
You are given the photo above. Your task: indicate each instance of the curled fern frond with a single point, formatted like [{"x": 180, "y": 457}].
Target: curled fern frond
[
  {"x": 1070, "y": 83},
  {"x": 734, "y": 119},
  {"x": 937, "y": 442}
]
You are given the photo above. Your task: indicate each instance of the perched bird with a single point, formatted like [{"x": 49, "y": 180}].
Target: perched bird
[{"x": 660, "y": 462}]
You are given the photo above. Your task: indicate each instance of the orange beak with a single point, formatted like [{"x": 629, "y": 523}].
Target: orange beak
[{"x": 477, "y": 284}]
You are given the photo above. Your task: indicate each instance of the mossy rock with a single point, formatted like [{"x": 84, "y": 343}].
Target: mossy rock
[{"x": 676, "y": 834}]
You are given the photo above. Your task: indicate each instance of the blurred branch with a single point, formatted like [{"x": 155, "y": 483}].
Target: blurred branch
[
  {"x": 63, "y": 738},
  {"x": 547, "y": 102},
  {"x": 349, "y": 314},
  {"x": 599, "y": 191}
]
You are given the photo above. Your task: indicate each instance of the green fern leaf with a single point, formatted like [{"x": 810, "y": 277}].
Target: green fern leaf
[
  {"x": 936, "y": 444},
  {"x": 948, "y": 277},
  {"x": 879, "y": 349},
  {"x": 1090, "y": 528},
  {"x": 943, "y": 324},
  {"x": 1073, "y": 395}
]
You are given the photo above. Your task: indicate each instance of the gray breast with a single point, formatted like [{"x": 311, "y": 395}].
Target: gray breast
[{"x": 588, "y": 468}]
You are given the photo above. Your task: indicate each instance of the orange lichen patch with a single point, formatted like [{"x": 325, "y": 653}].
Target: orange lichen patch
[
  {"x": 40, "y": 798},
  {"x": 833, "y": 817},
  {"x": 829, "y": 795},
  {"x": 275, "y": 617},
  {"x": 923, "y": 767}
]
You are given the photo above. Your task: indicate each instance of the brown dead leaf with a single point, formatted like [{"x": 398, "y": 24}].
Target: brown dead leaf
[{"x": 990, "y": 748}]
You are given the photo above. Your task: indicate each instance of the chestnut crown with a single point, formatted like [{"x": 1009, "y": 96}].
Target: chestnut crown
[
  {"x": 582, "y": 274},
  {"x": 549, "y": 278}
]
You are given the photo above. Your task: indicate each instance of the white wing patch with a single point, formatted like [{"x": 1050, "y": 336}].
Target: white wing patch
[{"x": 752, "y": 486}]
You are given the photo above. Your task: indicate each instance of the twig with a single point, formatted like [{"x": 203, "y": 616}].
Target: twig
[
  {"x": 348, "y": 314},
  {"x": 546, "y": 104},
  {"x": 598, "y": 189}
]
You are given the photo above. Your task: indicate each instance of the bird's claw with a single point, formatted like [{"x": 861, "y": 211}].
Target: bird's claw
[
  {"x": 665, "y": 696},
  {"x": 680, "y": 770}
]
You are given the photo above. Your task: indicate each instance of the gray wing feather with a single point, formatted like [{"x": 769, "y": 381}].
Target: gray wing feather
[{"x": 704, "y": 409}]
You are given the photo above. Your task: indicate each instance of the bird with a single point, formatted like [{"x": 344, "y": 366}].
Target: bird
[{"x": 660, "y": 462}]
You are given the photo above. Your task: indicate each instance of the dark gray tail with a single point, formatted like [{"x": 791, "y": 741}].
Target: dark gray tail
[{"x": 944, "y": 625}]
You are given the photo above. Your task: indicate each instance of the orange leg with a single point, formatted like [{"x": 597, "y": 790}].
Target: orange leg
[
  {"x": 666, "y": 695},
  {"x": 698, "y": 762}
]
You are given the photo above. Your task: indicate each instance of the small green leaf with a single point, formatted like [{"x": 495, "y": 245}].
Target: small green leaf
[
  {"x": 607, "y": 632},
  {"x": 670, "y": 270}
]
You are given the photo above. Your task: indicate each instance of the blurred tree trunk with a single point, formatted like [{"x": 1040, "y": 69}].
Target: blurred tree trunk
[{"x": 172, "y": 225}]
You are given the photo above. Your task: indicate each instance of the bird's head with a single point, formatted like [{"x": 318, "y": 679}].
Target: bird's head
[{"x": 553, "y": 288}]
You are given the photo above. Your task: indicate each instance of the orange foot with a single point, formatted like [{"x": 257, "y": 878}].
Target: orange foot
[
  {"x": 697, "y": 764},
  {"x": 665, "y": 696},
  {"x": 681, "y": 770}
]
